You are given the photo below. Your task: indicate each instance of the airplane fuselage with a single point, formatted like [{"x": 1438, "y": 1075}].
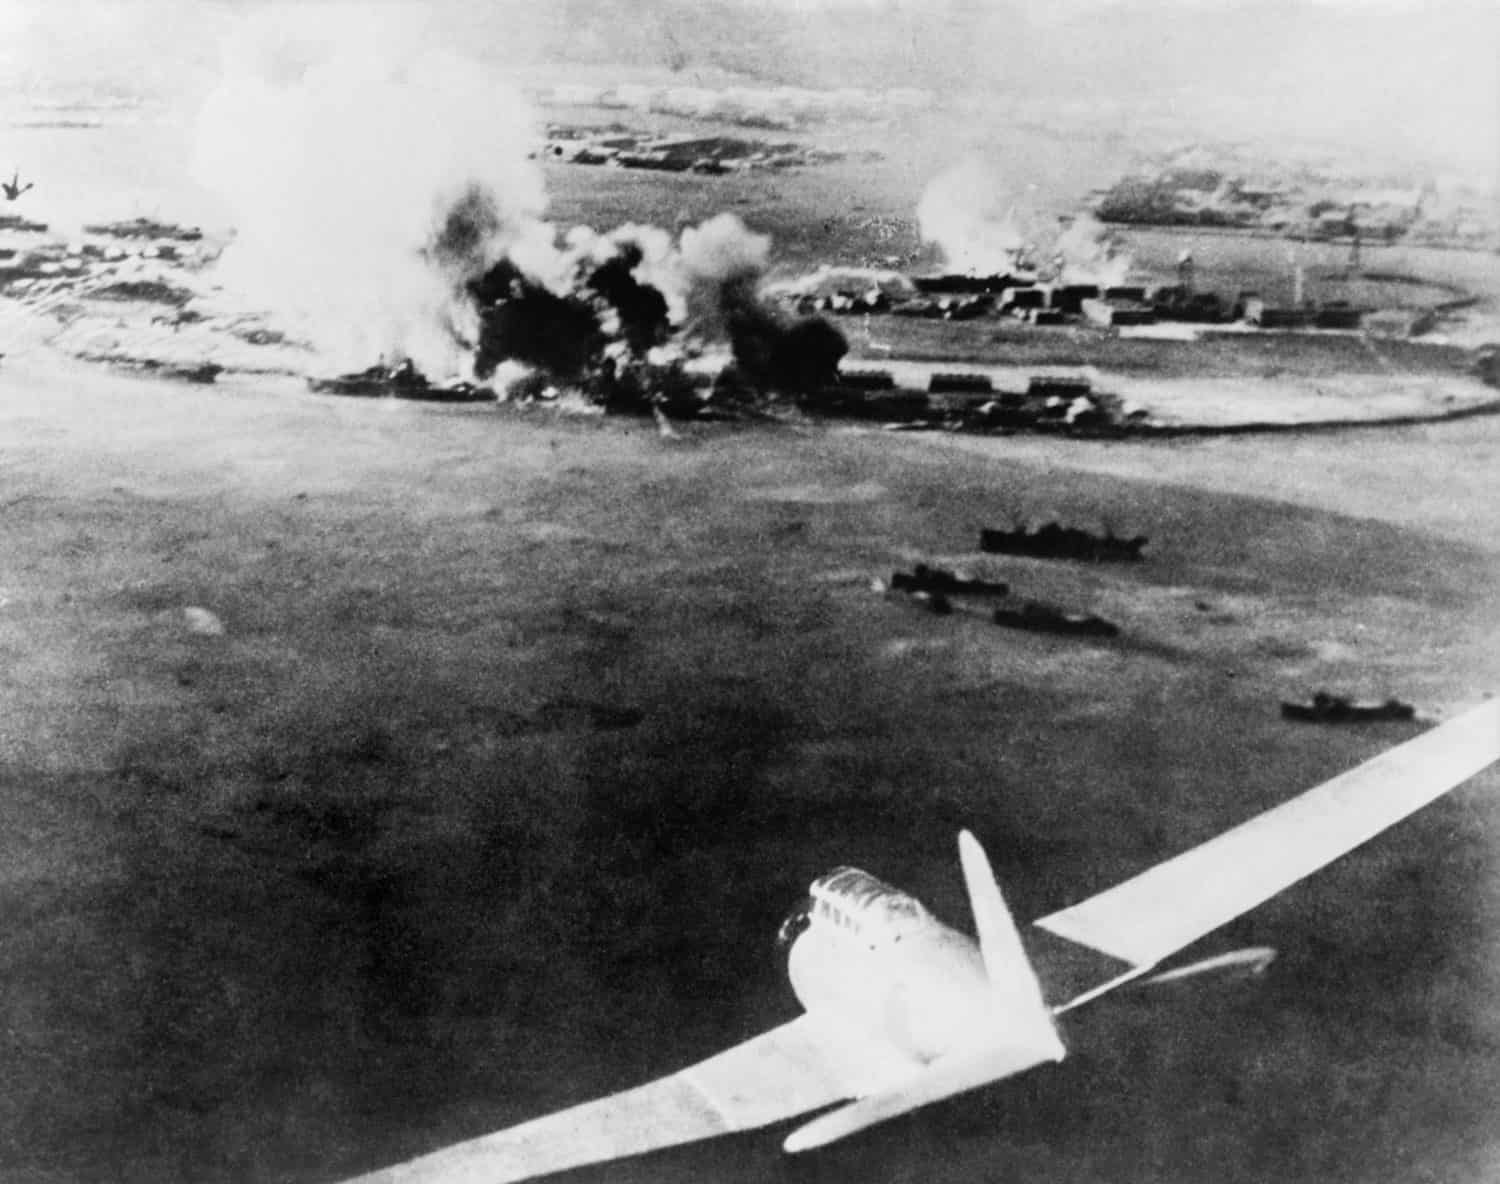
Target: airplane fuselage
[
  {"x": 926, "y": 992},
  {"x": 921, "y": 986},
  {"x": 870, "y": 957}
]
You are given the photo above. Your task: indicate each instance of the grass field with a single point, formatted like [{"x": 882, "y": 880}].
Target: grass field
[
  {"x": 523, "y": 732},
  {"x": 1226, "y": 355}
]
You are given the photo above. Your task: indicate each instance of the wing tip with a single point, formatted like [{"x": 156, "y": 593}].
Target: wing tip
[{"x": 802, "y": 1139}]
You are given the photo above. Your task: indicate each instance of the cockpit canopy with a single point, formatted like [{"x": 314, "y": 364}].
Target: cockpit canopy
[{"x": 855, "y": 900}]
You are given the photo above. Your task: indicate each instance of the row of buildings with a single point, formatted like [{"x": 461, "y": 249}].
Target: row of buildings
[{"x": 964, "y": 297}]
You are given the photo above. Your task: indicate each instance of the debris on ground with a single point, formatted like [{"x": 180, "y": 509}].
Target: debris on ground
[
  {"x": 1054, "y": 541},
  {"x": 1326, "y": 708}
]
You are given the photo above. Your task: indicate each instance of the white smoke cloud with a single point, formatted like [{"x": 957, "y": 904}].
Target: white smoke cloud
[
  {"x": 966, "y": 213},
  {"x": 688, "y": 271},
  {"x": 711, "y": 254},
  {"x": 1086, "y": 253},
  {"x": 969, "y": 213},
  {"x": 370, "y": 179},
  {"x": 723, "y": 247},
  {"x": 339, "y": 143}
]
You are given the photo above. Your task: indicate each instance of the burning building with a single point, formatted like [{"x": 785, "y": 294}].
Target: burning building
[
  {"x": 604, "y": 328},
  {"x": 446, "y": 267}
]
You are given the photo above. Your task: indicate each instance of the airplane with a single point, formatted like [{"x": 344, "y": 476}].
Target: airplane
[
  {"x": 901, "y": 1010},
  {"x": 13, "y": 188}
]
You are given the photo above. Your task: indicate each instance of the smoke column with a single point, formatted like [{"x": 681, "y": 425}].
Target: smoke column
[
  {"x": 608, "y": 313},
  {"x": 962, "y": 212},
  {"x": 965, "y": 212},
  {"x": 386, "y": 207},
  {"x": 1086, "y": 254},
  {"x": 368, "y": 178},
  {"x": 717, "y": 255}
]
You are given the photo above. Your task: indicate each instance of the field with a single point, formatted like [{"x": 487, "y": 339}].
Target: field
[
  {"x": 522, "y": 733},
  {"x": 1215, "y": 355}
]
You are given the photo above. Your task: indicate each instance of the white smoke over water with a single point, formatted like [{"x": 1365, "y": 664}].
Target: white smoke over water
[{"x": 340, "y": 145}]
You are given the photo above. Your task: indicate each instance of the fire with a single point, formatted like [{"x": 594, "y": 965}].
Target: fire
[
  {"x": 967, "y": 213},
  {"x": 387, "y": 206}
]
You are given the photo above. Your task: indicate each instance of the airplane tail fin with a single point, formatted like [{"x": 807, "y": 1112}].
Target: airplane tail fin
[
  {"x": 1020, "y": 1005},
  {"x": 1023, "y": 1035}
]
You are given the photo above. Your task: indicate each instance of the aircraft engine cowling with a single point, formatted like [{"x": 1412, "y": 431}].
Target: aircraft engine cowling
[{"x": 793, "y": 927}]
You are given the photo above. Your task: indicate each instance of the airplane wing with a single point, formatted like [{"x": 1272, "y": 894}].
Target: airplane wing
[
  {"x": 801, "y": 1066},
  {"x": 1173, "y": 904}
]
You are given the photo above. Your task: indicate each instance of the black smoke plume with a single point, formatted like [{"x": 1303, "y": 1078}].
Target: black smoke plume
[
  {"x": 642, "y": 309},
  {"x": 598, "y": 320},
  {"x": 521, "y": 320},
  {"x": 773, "y": 353},
  {"x": 466, "y": 229}
]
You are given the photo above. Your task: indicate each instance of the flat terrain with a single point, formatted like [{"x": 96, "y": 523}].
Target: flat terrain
[
  {"x": 522, "y": 733},
  {"x": 1217, "y": 353}
]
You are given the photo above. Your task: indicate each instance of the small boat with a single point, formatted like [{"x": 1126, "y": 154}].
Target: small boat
[
  {"x": 1039, "y": 617},
  {"x": 1338, "y": 709},
  {"x": 940, "y": 580},
  {"x": 1053, "y": 541}
]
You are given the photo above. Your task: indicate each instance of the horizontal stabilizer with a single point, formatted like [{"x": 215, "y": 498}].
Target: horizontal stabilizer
[
  {"x": 1250, "y": 960},
  {"x": 952, "y": 1075}
]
